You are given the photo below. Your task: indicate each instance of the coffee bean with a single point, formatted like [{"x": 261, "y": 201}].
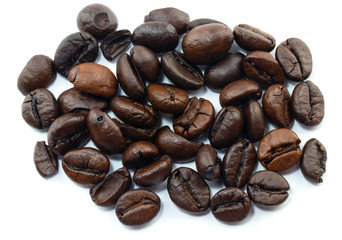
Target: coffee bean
[
  {"x": 85, "y": 165},
  {"x": 276, "y": 103},
  {"x": 183, "y": 74},
  {"x": 108, "y": 191},
  {"x": 97, "y": 19},
  {"x": 199, "y": 22},
  {"x": 137, "y": 207},
  {"x": 307, "y": 104},
  {"x": 252, "y": 38},
  {"x": 114, "y": 43},
  {"x": 77, "y": 48},
  {"x": 207, "y": 43},
  {"x": 254, "y": 121},
  {"x": 267, "y": 188},
  {"x": 39, "y": 108},
  {"x": 139, "y": 154},
  {"x": 208, "y": 164},
  {"x": 45, "y": 160},
  {"x": 295, "y": 59},
  {"x": 313, "y": 160},
  {"x": 188, "y": 190},
  {"x": 238, "y": 164},
  {"x": 39, "y": 72},
  {"x": 279, "y": 150},
  {"x": 263, "y": 68},
  {"x": 230, "y": 205}
]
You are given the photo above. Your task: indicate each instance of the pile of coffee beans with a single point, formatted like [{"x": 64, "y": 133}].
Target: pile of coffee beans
[{"x": 149, "y": 150}]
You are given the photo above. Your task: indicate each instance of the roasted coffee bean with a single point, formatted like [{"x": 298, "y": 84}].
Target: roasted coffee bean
[
  {"x": 137, "y": 206},
  {"x": 85, "y": 165},
  {"x": 134, "y": 113},
  {"x": 263, "y": 68},
  {"x": 157, "y": 36},
  {"x": 254, "y": 121},
  {"x": 279, "y": 150},
  {"x": 196, "y": 118},
  {"x": 94, "y": 78},
  {"x": 139, "y": 154},
  {"x": 104, "y": 132},
  {"x": 267, "y": 188},
  {"x": 276, "y": 103},
  {"x": 238, "y": 164},
  {"x": 67, "y": 132},
  {"x": 174, "y": 16},
  {"x": 108, "y": 191},
  {"x": 177, "y": 147},
  {"x": 313, "y": 160},
  {"x": 114, "y": 43},
  {"x": 307, "y": 104},
  {"x": 167, "y": 98},
  {"x": 252, "y": 38},
  {"x": 188, "y": 190},
  {"x": 39, "y": 108},
  {"x": 154, "y": 173},
  {"x": 97, "y": 19},
  {"x": 208, "y": 164},
  {"x": 227, "y": 127},
  {"x": 45, "y": 160},
  {"x": 239, "y": 92},
  {"x": 39, "y": 72},
  {"x": 183, "y": 74},
  {"x": 207, "y": 43},
  {"x": 230, "y": 205},
  {"x": 295, "y": 59},
  {"x": 199, "y": 22},
  {"x": 77, "y": 48},
  {"x": 146, "y": 62},
  {"x": 225, "y": 71}
]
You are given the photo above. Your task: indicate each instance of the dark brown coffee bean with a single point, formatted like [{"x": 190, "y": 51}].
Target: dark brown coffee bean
[
  {"x": 307, "y": 104},
  {"x": 108, "y": 191},
  {"x": 146, "y": 62},
  {"x": 139, "y": 154},
  {"x": 39, "y": 108},
  {"x": 129, "y": 78},
  {"x": 207, "y": 43},
  {"x": 104, "y": 132},
  {"x": 97, "y": 19},
  {"x": 230, "y": 205},
  {"x": 263, "y": 68},
  {"x": 137, "y": 206},
  {"x": 167, "y": 98},
  {"x": 279, "y": 150},
  {"x": 276, "y": 103},
  {"x": 239, "y": 92},
  {"x": 188, "y": 190},
  {"x": 252, "y": 38},
  {"x": 154, "y": 173},
  {"x": 313, "y": 160},
  {"x": 177, "y": 147},
  {"x": 39, "y": 72},
  {"x": 225, "y": 71},
  {"x": 157, "y": 36},
  {"x": 45, "y": 160},
  {"x": 94, "y": 78},
  {"x": 199, "y": 22},
  {"x": 77, "y": 48},
  {"x": 238, "y": 164},
  {"x": 208, "y": 164},
  {"x": 254, "y": 121},
  {"x": 295, "y": 59},
  {"x": 268, "y": 188},
  {"x": 134, "y": 113},
  {"x": 227, "y": 127},
  {"x": 174, "y": 16},
  {"x": 196, "y": 118},
  {"x": 114, "y": 43}
]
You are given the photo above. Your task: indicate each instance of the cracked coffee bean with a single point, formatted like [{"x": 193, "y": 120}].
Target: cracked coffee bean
[
  {"x": 45, "y": 160},
  {"x": 139, "y": 154},
  {"x": 254, "y": 121},
  {"x": 115, "y": 43},
  {"x": 201, "y": 21},
  {"x": 188, "y": 190},
  {"x": 208, "y": 164}
]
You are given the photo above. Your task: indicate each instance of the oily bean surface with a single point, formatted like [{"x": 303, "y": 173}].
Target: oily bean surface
[
  {"x": 255, "y": 123},
  {"x": 139, "y": 154},
  {"x": 208, "y": 164},
  {"x": 45, "y": 160},
  {"x": 115, "y": 43},
  {"x": 201, "y": 21}
]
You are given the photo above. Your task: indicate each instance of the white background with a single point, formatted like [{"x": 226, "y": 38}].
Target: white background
[{"x": 56, "y": 208}]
